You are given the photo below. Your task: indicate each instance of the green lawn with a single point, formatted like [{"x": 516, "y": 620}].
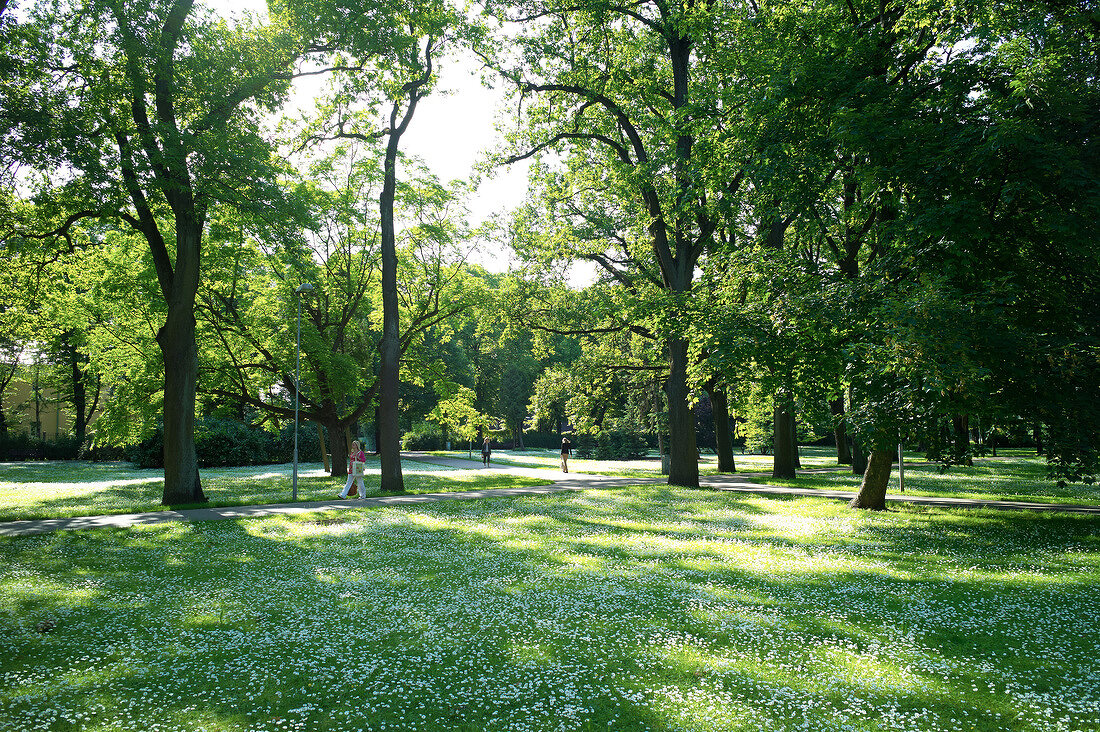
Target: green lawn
[
  {"x": 636, "y": 609},
  {"x": 75, "y": 488},
  {"x": 1017, "y": 478},
  {"x": 650, "y": 467}
]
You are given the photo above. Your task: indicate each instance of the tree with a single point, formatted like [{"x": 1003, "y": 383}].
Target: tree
[
  {"x": 616, "y": 91},
  {"x": 456, "y": 412},
  {"x": 393, "y": 52},
  {"x": 249, "y": 302},
  {"x": 146, "y": 114}
]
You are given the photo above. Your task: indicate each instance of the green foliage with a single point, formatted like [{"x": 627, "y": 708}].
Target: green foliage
[
  {"x": 21, "y": 446},
  {"x": 422, "y": 438},
  {"x": 63, "y": 489},
  {"x": 227, "y": 442},
  {"x": 795, "y": 646},
  {"x": 613, "y": 445}
]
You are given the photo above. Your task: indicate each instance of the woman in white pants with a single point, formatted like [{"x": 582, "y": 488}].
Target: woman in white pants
[{"x": 357, "y": 463}]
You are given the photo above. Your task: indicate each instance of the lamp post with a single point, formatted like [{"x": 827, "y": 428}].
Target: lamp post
[{"x": 303, "y": 289}]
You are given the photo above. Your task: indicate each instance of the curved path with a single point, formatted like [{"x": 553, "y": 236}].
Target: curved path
[{"x": 559, "y": 482}]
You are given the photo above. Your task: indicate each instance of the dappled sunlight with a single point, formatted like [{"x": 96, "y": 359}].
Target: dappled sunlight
[
  {"x": 611, "y": 609},
  {"x": 63, "y": 494}
]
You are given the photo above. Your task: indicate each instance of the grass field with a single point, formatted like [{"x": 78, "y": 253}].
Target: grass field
[
  {"x": 1016, "y": 478},
  {"x": 75, "y": 488},
  {"x": 64, "y": 489},
  {"x": 650, "y": 467},
  {"x": 635, "y": 609}
]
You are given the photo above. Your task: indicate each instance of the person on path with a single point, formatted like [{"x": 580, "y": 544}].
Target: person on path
[
  {"x": 486, "y": 452},
  {"x": 357, "y": 464},
  {"x": 565, "y": 450}
]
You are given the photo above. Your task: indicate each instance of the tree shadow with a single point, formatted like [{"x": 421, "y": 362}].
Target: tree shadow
[{"x": 629, "y": 610}]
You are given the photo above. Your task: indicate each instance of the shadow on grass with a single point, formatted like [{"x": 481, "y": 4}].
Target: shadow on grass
[
  {"x": 224, "y": 491},
  {"x": 649, "y": 609}
]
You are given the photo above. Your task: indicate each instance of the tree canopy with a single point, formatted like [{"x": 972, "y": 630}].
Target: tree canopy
[{"x": 871, "y": 221}]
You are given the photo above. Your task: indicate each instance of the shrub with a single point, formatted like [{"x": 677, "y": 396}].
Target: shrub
[
  {"x": 629, "y": 445},
  {"x": 584, "y": 446},
  {"x": 149, "y": 453},
  {"x": 223, "y": 442},
  {"x": 423, "y": 437},
  {"x": 24, "y": 447},
  {"x": 309, "y": 449},
  {"x": 611, "y": 446},
  {"x": 227, "y": 442},
  {"x": 544, "y": 440}
]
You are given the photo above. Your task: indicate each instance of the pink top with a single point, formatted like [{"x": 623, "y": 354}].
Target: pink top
[{"x": 357, "y": 457}]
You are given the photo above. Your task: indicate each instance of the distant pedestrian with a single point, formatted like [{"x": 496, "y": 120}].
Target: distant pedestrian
[
  {"x": 357, "y": 467},
  {"x": 486, "y": 452},
  {"x": 566, "y": 448}
]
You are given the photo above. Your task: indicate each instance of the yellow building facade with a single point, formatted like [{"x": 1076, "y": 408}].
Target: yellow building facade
[{"x": 43, "y": 417}]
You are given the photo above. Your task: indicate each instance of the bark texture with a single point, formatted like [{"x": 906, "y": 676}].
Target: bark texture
[
  {"x": 683, "y": 453},
  {"x": 872, "y": 491},
  {"x": 181, "y": 467},
  {"x": 960, "y": 425},
  {"x": 722, "y": 438},
  {"x": 783, "y": 459}
]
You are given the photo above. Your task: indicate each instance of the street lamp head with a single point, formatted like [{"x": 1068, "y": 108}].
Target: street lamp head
[{"x": 304, "y": 289}]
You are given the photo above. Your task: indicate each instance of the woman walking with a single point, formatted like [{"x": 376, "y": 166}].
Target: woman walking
[
  {"x": 357, "y": 464},
  {"x": 565, "y": 450},
  {"x": 486, "y": 452}
]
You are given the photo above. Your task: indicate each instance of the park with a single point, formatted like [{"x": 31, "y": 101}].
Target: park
[{"x": 768, "y": 400}]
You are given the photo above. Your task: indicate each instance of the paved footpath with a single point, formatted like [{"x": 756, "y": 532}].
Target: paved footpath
[{"x": 559, "y": 482}]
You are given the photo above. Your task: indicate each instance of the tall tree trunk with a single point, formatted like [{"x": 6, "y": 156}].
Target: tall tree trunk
[
  {"x": 683, "y": 453},
  {"x": 960, "y": 424},
  {"x": 840, "y": 432},
  {"x": 793, "y": 420},
  {"x": 324, "y": 450},
  {"x": 80, "y": 394},
  {"x": 859, "y": 458},
  {"x": 181, "y": 466},
  {"x": 339, "y": 446},
  {"x": 377, "y": 432},
  {"x": 722, "y": 438},
  {"x": 389, "y": 425},
  {"x": 872, "y": 491},
  {"x": 783, "y": 439},
  {"x": 389, "y": 428}
]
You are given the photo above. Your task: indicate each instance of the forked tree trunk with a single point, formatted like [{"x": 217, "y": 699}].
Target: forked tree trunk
[
  {"x": 872, "y": 491},
  {"x": 683, "y": 453},
  {"x": 722, "y": 438},
  {"x": 783, "y": 465}
]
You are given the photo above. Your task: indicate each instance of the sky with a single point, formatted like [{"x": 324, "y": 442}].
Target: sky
[{"x": 449, "y": 131}]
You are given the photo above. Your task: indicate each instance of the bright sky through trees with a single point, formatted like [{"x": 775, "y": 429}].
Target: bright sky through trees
[{"x": 453, "y": 126}]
